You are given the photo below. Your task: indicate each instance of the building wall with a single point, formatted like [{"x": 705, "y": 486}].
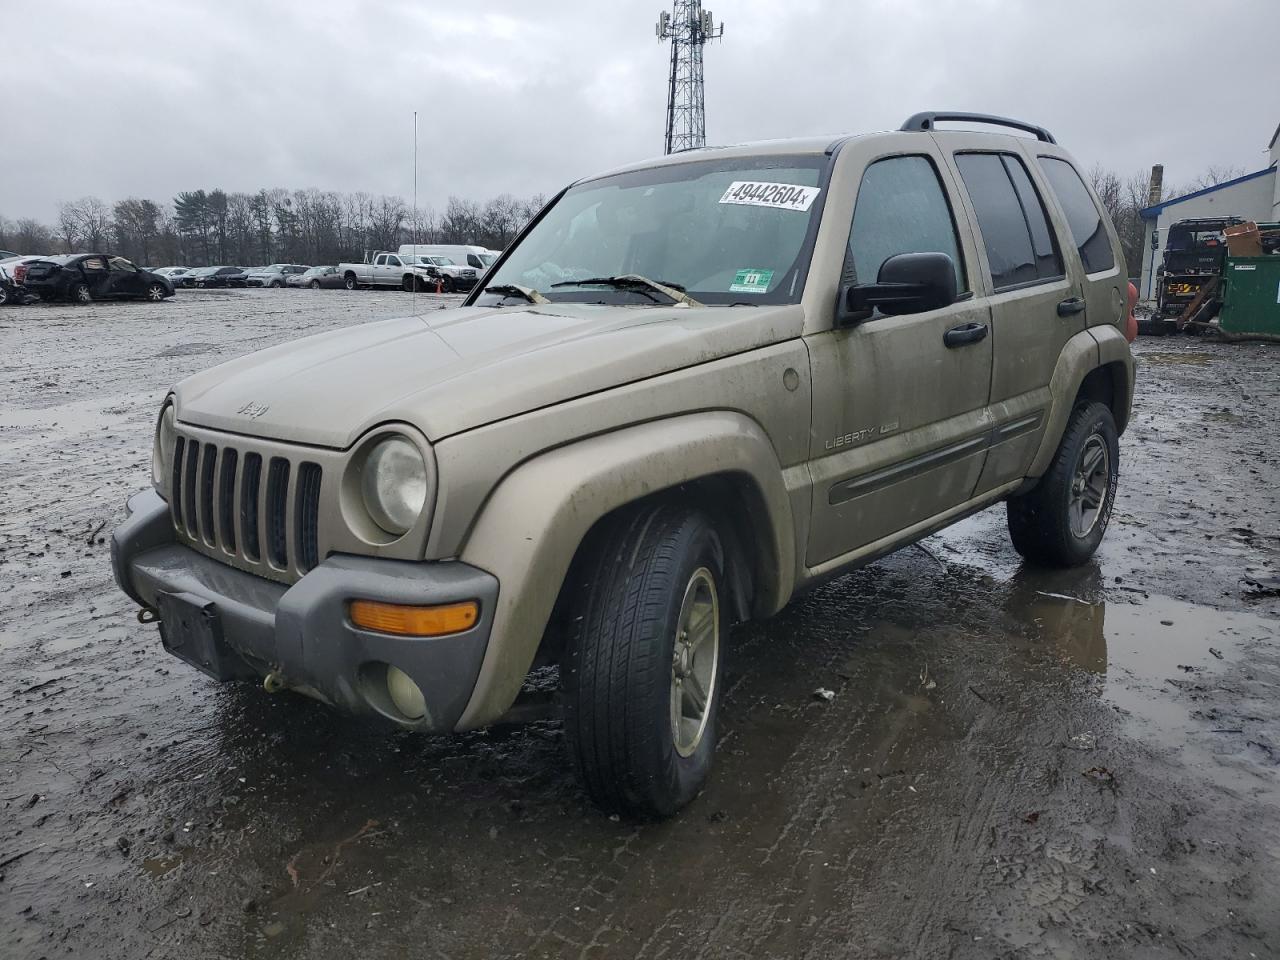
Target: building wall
[
  {"x": 1275, "y": 193},
  {"x": 1256, "y": 199}
]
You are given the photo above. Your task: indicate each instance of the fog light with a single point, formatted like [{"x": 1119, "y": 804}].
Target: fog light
[
  {"x": 405, "y": 694},
  {"x": 415, "y": 621}
]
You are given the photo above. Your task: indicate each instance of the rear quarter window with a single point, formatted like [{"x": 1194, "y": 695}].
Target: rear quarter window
[{"x": 1088, "y": 232}]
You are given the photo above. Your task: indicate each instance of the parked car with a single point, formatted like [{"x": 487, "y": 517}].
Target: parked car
[
  {"x": 172, "y": 273},
  {"x": 11, "y": 291},
  {"x": 695, "y": 387},
  {"x": 219, "y": 277},
  {"x": 7, "y": 254},
  {"x": 390, "y": 270},
  {"x": 83, "y": 277},
  {"x": 275, "y": 275},
  {"x": 453, "y": 278},
  {"x": 463, "y": 254},
  {"x": 316, "y": 278}
]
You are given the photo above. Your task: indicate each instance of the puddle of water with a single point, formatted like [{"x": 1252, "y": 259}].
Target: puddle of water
[
  {"x": 159, "y": 866},
  {"x": 1162, "y": 661}
]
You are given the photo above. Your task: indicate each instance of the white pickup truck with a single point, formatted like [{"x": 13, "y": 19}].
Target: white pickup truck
[{"x": 389, "y": 270}]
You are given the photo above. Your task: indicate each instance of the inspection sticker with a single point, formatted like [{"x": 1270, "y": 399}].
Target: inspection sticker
[
  {"x": 783, "y": 196},
  {"x": 751, "y": 281}
]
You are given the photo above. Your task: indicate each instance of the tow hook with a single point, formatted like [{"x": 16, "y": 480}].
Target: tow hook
[
  {"x": 274, "y": 682},
  {"x": 148, "y": 615}
]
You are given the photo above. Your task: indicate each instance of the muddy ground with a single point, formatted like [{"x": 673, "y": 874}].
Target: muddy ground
[{"x": 1015, "y": 763}]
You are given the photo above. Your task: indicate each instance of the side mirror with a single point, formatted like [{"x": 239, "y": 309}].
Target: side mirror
[{"x": 908, "y": 283}]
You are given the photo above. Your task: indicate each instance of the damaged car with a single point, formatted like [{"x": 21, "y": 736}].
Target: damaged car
[{"x": 83, "y": 277}]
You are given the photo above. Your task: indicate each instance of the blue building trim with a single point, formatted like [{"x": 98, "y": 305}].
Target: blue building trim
[{"x": 1151, "y": 213}]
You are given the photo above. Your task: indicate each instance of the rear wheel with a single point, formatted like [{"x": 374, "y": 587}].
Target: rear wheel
[
  {"x": 1061, "y": 521},
  {"x": 643, "y": 670},
  {"x": 4, "y": 295},
  {"x": 156, "y": 292},
  {"x": 350, "y": 282},
  {"x": 81, "y": 293}
]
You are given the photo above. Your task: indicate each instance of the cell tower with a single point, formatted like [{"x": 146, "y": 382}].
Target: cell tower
[{"x": 689, "y": 27}]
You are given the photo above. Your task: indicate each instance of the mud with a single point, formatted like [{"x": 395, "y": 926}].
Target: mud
[{"x": 1016, "y": 763}]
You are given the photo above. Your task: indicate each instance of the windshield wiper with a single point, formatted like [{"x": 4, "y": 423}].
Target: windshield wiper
[
  {"x": 515, "y": 290},
  {"x": 633, "y": 281}
]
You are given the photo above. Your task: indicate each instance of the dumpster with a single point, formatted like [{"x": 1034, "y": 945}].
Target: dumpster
[{"x": 1251, "y": 299}]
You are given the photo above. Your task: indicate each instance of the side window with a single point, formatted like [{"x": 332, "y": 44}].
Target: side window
[
  {"x": 120, "y": 265},
  {"x": 901, "y": 208},
  {"x": 1015, "y": 230},
  {"x": 380, "y": 260},
  {"x": 1087, "y": 229},
  {"x": 393, "y": 261},
  {"x": 93, "y": 263}
]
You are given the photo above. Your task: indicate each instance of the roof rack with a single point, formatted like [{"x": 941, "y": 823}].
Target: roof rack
[{"x": 923, "y": 122}]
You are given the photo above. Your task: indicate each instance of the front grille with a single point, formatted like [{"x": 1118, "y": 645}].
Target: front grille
[{"x": 224, "y": 506}]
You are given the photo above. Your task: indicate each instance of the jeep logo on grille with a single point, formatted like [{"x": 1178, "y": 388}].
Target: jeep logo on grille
[{"x": 253, "y": 410}]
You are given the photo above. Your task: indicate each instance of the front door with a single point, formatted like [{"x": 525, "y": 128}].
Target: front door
[
  {"x": 1036, "y": 304},
  {"x": 125, "y": 280},
  {"x": 900, "y": 429}
]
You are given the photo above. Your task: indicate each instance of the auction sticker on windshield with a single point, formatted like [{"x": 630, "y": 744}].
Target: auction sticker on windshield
[
  {"x": 751, "y": 281},
  {"x": 783, "y": 196}
]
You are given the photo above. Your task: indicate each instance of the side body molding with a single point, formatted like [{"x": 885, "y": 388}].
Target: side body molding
[{"x": 532, "y": 524}]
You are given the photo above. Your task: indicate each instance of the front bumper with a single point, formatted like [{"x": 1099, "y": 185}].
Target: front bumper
[{"x": 302, "y": 632}]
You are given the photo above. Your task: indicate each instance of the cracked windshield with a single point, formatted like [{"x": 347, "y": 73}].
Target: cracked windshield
[{"x": 721, "y": 232}]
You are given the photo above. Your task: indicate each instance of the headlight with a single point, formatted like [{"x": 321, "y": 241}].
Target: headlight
[
  {"x": 162, "y": 451},
  {"x": 394, "y": 485}
]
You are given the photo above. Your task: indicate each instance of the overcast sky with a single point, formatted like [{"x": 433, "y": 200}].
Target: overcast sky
[{"x": 150, "y": 97}]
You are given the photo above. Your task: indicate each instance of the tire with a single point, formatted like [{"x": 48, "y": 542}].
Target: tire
[
  {"x": 156, "y": 292},
  {"x": 655, "y": 572},
  {"x": 81, "y": 293},
  {"x": 350, "y": 282},
  {"x": 447, "y": 285},
  {"x": 315, "y": 284},
  {"x": 407, "y": 283},
  {"x": 4, "y": 295},
  {"x": 1061, "y": 521}
]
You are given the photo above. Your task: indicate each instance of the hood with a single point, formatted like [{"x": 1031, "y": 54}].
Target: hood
[{"x": 453, "y": 370}]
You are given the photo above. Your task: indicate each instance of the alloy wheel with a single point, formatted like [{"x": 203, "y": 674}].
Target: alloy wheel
[
  {"x": 694, "y": 661},
  {"x": 1089, "y": 486}
]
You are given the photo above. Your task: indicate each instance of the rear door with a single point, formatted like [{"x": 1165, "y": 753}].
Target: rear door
[
  {"x": 96, "y": 275},
  {"x": 1036, "y": 305},
  {"x": 900, "y": 422}
]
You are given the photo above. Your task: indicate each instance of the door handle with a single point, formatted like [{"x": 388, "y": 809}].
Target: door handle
[
  {"x": 965, "y": 334},
  {"x": 1071, "y": 306}
]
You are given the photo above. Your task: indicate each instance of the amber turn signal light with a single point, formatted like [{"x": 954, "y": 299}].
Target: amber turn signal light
[{"x": 414, "y": 621}]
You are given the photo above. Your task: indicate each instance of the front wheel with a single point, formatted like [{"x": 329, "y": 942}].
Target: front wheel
[
  {"x": 447, "y": 285},
  {"x": 81, "y": 293},
  {"x": 1061, "y": 521},
  {"x": 4, "y": 295},
  {"x": 644, "y": 661},
  {"x": 156, "y": 293},
  {"x": 315, "y": 284}
]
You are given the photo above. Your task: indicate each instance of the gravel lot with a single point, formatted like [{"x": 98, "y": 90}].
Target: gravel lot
[{"x": 1015, "y": 764}]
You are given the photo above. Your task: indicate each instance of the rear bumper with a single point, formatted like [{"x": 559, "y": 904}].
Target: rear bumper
[{"x": 302, "y": 631}]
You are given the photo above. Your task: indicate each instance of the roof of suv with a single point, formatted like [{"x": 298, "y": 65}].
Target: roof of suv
[{"x": 801, "y": 146}]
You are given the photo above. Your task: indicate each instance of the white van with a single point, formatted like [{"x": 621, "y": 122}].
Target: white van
[{"x": 463, "y": 254}]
